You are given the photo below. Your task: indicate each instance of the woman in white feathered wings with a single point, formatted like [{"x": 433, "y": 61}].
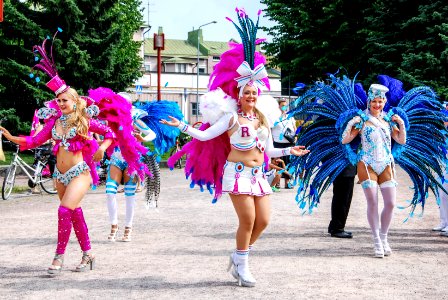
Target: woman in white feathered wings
[{"x": 229, "y": 152}]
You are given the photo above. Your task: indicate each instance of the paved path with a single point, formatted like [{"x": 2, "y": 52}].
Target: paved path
[{"x": 180, "y": 251}]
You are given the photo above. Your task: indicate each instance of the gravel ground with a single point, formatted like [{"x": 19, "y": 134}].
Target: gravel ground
[{"x": 180, "y": 251}]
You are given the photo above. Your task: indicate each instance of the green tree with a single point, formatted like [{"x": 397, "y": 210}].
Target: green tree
[
  {"x": 312, "y": 38},
  {"x": 95, "y": 48},
  {"x": 408, "y": 40},
  {"x": 425, "y": 61},
  {"x": 19, "y": 31}
]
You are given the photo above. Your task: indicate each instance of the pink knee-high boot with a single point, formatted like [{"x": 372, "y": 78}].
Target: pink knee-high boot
[
  {"x": 81, "y": 230},
  {"x": 64, "y": 228}
]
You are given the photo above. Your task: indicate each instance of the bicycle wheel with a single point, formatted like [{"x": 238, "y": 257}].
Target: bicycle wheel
[
  {"x": 8, "y": 182},
  {"x": 47, "y": 184}
]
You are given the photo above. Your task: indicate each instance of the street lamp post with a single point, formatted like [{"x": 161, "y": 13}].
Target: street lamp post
[{"x": 197, "y": 70}]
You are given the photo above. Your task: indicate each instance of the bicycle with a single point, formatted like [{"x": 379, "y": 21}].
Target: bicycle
[
  {"x": 181, "y": 140},
  {"x": 34, "y": 174}
]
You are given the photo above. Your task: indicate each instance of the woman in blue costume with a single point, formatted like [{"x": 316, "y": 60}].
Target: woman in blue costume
[
  {"x": 388, "y": 125},
  {"x": 376, "y": 165}
]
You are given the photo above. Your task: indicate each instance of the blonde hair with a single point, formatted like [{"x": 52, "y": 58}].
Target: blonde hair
[
  {"x": 261, "y": 118},
  {"x": 80, "y": 119}
]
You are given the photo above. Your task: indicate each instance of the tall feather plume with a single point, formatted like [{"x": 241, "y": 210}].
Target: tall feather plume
[
  {"x": 248, "y": 33},
  {"x": 46, "y": 63}
]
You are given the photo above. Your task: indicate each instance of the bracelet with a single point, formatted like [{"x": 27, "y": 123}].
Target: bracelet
[
  {"x": 183, "y": 127},
  {"x": 286, "y": 151}
]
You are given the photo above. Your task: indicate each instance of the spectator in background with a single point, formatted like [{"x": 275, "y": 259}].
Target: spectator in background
[{"x": 283, "y": 134}]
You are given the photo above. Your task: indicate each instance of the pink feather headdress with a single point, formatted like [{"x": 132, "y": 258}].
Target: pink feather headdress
[{"x": 46, "y": 64}]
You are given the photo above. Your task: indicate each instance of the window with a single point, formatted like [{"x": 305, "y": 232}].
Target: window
[
  {"x": 216, "y": 58},
  {"x": 201, "y": 70},
  {"x": 147, "y": 67},
  {"x": 194, "y": 109},
  {"x": 181, "y": 68}
]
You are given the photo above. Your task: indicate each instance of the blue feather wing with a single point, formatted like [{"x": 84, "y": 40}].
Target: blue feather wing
[
  {"x": 331, "y": 106},
  {"x": 166, "y": 135},
  {"x": 423, "y": 155}
]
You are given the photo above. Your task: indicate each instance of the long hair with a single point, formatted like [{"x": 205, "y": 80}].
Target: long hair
[
  {"x": 80, "y": 118},
  {"x": 261, "y": 118}
]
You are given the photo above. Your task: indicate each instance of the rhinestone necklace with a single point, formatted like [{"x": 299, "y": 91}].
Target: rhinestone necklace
[
  {"x": 247, "y": 116},
  {"x": 65, "y": 120}
]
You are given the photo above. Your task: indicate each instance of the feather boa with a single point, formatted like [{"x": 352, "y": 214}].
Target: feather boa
[
  {"x": 213, "y": 105},
  {"x": 116, "y": 110},
  {"x": 205, "y": 162}
]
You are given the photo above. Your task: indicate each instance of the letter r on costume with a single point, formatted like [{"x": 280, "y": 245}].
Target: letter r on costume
[{"x": 244, "y": 131}]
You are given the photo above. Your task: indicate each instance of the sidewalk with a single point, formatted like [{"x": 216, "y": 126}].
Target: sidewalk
[{"x": 180, "y": 251}]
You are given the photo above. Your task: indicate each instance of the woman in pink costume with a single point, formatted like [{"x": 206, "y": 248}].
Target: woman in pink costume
[
  {"x": 68, "y": 121},
  {"x": 70, "y": 125},
  {"x": 241, "y": 135}
]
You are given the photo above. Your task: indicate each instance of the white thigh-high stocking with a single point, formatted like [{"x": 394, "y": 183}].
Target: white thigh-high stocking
[
  {"x": 370, "y": 189},
  {"x": 130, "y": 208},
  {"x": 389, "y": 192},
  {"x": 444, "y": 206}
]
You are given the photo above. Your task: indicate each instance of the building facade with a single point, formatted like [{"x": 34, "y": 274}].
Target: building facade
[{"x": 180, "y": 81}]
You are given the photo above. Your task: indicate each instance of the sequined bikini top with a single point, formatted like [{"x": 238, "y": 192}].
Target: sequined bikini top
[
  {"x": 246, "y": 138},
  {"x": 71, "y": 133}
]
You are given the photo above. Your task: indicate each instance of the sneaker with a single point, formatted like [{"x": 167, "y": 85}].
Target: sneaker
[
  {"x": 274, "y": 189},
  {"x": 445, "y": 229},
  {"x": 289, "y": 185},
  {"x": 439, "y": 227}
]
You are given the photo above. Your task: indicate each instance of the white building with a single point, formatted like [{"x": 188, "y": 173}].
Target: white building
[{"x": 179, "y": 80}]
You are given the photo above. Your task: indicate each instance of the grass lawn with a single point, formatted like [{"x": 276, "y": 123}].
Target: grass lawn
[
  {"x": 18, "y": 189},
  {"x": 27, "y": 156}
]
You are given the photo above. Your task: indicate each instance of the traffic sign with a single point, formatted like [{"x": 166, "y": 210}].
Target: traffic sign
[{"x": 139, "y": 89}]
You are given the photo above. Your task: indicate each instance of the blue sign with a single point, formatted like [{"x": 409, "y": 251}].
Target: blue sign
[{"x": 139, "y": 89}]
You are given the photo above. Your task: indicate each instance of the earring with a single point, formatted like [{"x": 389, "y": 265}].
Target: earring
[{"x": 74, "y": 106}]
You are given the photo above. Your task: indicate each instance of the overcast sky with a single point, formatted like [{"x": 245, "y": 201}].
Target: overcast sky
[{"x": 177, "y": 17}]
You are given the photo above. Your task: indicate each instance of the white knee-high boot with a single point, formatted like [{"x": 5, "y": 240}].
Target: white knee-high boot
[{"x": 239, "y": 266}]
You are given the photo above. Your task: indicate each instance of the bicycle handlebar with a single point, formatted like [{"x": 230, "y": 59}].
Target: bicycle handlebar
[{"x": 40, "y": 148}]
